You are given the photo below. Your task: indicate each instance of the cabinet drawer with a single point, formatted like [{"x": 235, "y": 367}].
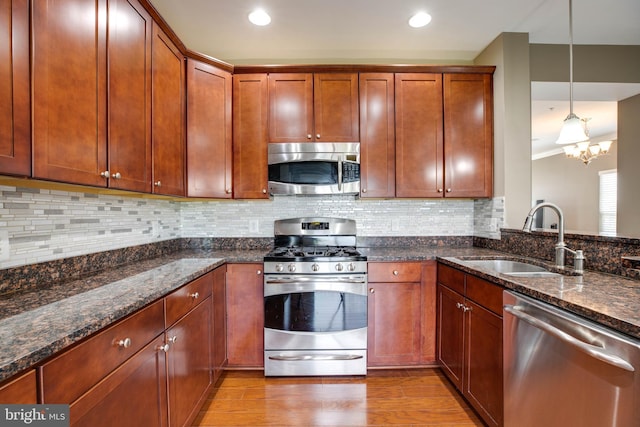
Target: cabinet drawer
[
  {"x": 73, "y": 372},
  {"x": 485, "y": 293},
  {"x": 20, "y": 390},
  {"x": 394, "y": 272},
  {"x": 451, "y": 278},
  {"x": 182, "y": 300}
]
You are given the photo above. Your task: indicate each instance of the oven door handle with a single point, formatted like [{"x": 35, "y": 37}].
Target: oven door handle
[
  {"x": 309, "y": 357},
  {"x": 315, "y": 279}
]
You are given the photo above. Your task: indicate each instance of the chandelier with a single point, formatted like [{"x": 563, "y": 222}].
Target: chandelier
[{"x": 584, "y": 150}]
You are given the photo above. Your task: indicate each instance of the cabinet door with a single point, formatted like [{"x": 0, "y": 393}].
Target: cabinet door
[
  {"x": 20, "y": 390},
  {"x": 219, "y": 350},
  {"x": 483, "y": 362},
  {"x": 450, "y": 334},
  {"x": 290, "y": 107},
  {"x": 15, "y": 131},
  {"x": 429, "y": 298},
  {"x": 468, "y": 135},
  {"x": 135, "y": 394},
  {"x": 250, "y": 136},
  {"x": 419, "y": 135},
  {"x": 208, "y": 131},
  {"x": 335, "y": 107},
  {"x": 188, "y": 363},
  {"x": 129, "y": 92},
  {"x": 245, "y": 315},
  {"x": 168, "y": 116},
  {"x": 69, "y": 91},
  {"x": 394, "y": 333},
  {"x": 377, "y": 135}
]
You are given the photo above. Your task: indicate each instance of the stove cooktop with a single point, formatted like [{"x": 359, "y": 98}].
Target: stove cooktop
[{"x": 315, "y": 253}]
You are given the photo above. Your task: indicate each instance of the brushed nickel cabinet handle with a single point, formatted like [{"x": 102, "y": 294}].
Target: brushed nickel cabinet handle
[
  {"x": 164, "y": 347},
  {"x": 195, "y": 295},
  {"x": 104, "y": 174},
  {"x": 125, "y": 343},
  {"x": 158, "y": 183},
  {"x": 173, "y": 339}
]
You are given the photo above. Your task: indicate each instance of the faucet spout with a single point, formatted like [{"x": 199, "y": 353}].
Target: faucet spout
[{"x": 560, "y": 245}]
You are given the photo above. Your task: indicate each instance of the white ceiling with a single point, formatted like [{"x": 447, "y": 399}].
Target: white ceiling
[{"x": 376, "y": 31}]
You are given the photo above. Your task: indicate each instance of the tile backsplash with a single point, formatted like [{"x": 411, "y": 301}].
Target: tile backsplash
[{"x": 39, "y": 225}]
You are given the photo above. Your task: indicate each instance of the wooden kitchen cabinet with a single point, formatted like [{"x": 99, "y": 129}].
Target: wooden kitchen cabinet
[
  {"x": 400, "y": 311},
  {"x": 15, "y": 126},
  {"x": 377, "y": 135},
  {"x": 168, "y": 118},
  {"x": 209, "y": 127},
  {"x": 470, "y": 339},
  {"x": 135, "y": 394},
  {"x": 189, "y": 360},
  {"x": 468, "y": 135},
  {"x": 21, "y": 389},
  {"x": 92, "y": 98},
  {"x": 444, "y": 135},
  {"x": 219, "y": 323},
  {"x": 250, "y": 136},
  {"x": 313, "y": 107},
  {"x": 245, "y": 315}
]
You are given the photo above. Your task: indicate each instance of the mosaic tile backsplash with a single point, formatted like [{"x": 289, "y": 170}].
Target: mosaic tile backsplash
[{"x": 38, "y": 225}]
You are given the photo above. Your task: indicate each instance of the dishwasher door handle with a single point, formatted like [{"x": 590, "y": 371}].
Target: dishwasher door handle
[{"x": 592, "y": 350}]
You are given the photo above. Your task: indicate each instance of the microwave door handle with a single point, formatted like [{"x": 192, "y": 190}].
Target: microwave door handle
[{"x": 340, "y": 173}]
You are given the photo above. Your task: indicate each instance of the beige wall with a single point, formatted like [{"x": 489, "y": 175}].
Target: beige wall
[
  {"x": 512, "y": 123},
  {"x": 628, "y": 219},
  {"x": 573, "y": 186}
]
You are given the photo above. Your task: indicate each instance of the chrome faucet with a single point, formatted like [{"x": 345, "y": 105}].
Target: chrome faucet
[{"x": 561, "y": 247}]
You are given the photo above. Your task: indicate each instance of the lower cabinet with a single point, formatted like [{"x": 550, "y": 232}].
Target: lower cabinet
[
  {"x": 20, "y": 390},
  {"x": 469, "y": 339},
  {"x": 245, "y": 315},
  {"x": 401, "y": 313},
  {"x": 153, "y": 368}
]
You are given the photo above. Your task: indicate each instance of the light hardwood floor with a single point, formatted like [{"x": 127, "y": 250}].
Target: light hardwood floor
[{"x": 403, "y": 397}]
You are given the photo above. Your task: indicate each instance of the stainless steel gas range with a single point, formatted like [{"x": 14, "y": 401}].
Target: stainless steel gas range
[{"x": 315, "y": 299}]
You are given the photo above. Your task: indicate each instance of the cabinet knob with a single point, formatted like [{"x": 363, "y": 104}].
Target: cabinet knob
[
  {"x": 364, "y": 190},
  {"x": 228, "y": 191},
  {"x": 396, "y": 272},
  {"x": 259, "y": 272},
  {"x": 459, "y": 305},
  {"x": 372, "y": 291},
  {"x": 173, "y": 339},
  {"x": 164, "y": 348},
  {"x": 439, "y": 190},
  {"x": 318, "y": 136},
  {"x": 125, "y": 343},
  {"x": 116, "y": 175},
  {"x": 448, "y": 190},
  {"x": 195, "y": 295},
  {"x": 309, "y": 136},
  {"x": 158, "y": 183},
  {"x": 104, "y": 174},
  {"x": 264, "y": 191}
]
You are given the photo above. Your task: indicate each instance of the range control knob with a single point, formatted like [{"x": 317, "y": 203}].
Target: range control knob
[
  {"x": 279, "y": 268},
  {"x": 351, "y": 266},
  {"x": 292, "y": 268},
  {"x": 315, "y": 267},
  {"x": 339, "y": 267}
]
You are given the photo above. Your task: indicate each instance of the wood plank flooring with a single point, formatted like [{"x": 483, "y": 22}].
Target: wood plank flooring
[{"x": 403, "y": 397}]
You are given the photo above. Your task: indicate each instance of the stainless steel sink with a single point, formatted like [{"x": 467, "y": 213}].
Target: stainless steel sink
[{"x": 511, "y": 268}]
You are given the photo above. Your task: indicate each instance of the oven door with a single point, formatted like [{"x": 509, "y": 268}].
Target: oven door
[{"x": 315, "y": 325}]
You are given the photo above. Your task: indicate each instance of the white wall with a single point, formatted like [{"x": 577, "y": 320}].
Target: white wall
[{"x": 628, "y": 219}]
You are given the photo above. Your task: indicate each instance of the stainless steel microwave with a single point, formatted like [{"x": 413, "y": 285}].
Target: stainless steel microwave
[{"x": 314, "y": 168}]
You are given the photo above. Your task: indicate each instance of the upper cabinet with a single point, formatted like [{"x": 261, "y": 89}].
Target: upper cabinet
[
  {"x": 250, "y": 136},
  {"x": 444, "y": 135},
  {"x": 377, "y": 135},
  {"x": 209, "y": 139},
  {"x": 468, "y": 135},
  {"x": 320, "y": 107},
  {"x": 15, "y": 133},
  {"x": 92, "y": 98},
  {"x": 168, "y": 119}
]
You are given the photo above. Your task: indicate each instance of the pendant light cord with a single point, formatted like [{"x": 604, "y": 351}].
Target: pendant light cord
[{"x": 570, "y": 59}]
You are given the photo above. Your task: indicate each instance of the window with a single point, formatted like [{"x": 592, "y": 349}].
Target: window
[{"x": 608, "y": 201}]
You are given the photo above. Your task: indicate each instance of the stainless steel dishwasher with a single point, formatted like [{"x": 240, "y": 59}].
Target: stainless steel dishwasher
[{"x": 563, "y": 370}]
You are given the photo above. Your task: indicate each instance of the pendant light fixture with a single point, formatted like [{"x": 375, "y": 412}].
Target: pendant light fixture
[{"x": 572, "y": 131}]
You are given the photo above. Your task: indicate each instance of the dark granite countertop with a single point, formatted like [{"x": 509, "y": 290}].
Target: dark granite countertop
[{"x": 36, "y": 324}]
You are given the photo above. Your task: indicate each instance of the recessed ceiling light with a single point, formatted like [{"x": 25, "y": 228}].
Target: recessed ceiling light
[
  {"x": 259, "y": 17},
  {"x": 420, "y": 19}
]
